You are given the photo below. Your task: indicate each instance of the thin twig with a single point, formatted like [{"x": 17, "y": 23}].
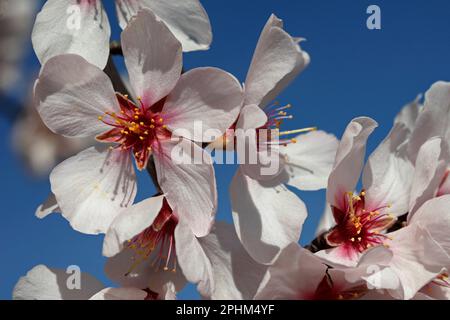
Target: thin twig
[{"x": 115, "y": 48}]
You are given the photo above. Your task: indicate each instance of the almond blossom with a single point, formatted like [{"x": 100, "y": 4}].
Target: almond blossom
[
  {"x": 150, "y": 247},
  {"x": 82, "y": 26},
  {"x": 43, "y": 283},
  {"x": 297, "y": 274},
  {"x": 360, "y": 218},
  {"x": 267, "y": 215},
  {"x": 76, "y": 99},
  {"x": 419, "y": 251},
  {"x": 15, "y": 26}
]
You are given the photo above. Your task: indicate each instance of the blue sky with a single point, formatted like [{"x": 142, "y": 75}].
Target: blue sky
[{"x": 354, "y": 71}]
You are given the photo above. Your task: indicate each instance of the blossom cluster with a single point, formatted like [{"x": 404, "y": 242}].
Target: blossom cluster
[{"x": 386, "y": 237}]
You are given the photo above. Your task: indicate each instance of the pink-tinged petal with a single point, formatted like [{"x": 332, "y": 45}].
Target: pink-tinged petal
[
  {"x": 433, "y": 291},
  {"x": 417, "y": 259},
  {"x": 236, "y": 275},
  {"x": 277, "y": 60},
  {"x": 434, "y": 216},
  {"x": 71, "y": 26},
  {"x": 387, "y": 176},
  {"x": 309, "y": 161},
  {"x": 349, "y": 160},
  {"x": 186, "y": 176},
  {"x": 120, "y": 294},
  {"x": 327, "y": 220},
  {"x": 186, "y": 19},
  {"x": 153, "y": 57},
  {"x": 92, "y": 188},
  {"x": 444, "y": 187},
  {"x": 251, "y": 117},
  {"x": 204, "y": 99},
  {"x": 193, "y": 260},
  {"x": 295, "y": 274},
  {"x": 267, "y": 217},
  {"x": 129, "y": 223},
  {"x": 431, "y": 165},
  {"x": 43, "y": 283},
  {"x": 71, "y": 94},
  {"x": 123, "y": 269},
  {"x": 343, "y": 256},
  {"x": 434, "y": 119},
  {"x": 49, "y": 206}
]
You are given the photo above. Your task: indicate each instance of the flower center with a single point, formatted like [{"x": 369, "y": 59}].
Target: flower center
[
  {"x": 136, "y": 128},
  {"x": 328, "y": 290},
  {"x": 357, "y": 227},
  {"x": 159, "y": 239}
]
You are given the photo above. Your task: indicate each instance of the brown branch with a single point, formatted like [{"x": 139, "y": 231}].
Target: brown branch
[
  {"x": 319, "y": 243},
  {"x": 115, "y": 48}
]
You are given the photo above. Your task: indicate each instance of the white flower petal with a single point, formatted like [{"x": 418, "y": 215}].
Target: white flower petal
[
  {"x": 71, "y": 94},
  {"x": 153, "y": 57},
  {"x": 129, "y": 223},
  {"x": 431, "y": 165},
  {"x": 296, "y": 274},
  {"x": 68, "y": 26},
  {"x": 187, "y": 19},
  {"x": 267, "y": 217},
  {"x": 434, "y": 120},
  {"x": 120, "y": 294},
  {"x": 49, "y": 206},
  {"x": 186, "y": 176},
  {"x": 193, "y": 260},
  {"x": 143, "y": 275},
  {"x": 203, "y": 99},
  {"x": 277, "y": 60},
  {"x": 251, "y": 117},
  {"x": 236, "y": 275},
  {"x": 43, "y": 283},
  {"x": 387, "y": 176},
  {"x": 434, "y": 216},
  {"x": 92, "y": 188},
  {"x": 349, "y": 159},
  {"x": 309, "y": 161}
]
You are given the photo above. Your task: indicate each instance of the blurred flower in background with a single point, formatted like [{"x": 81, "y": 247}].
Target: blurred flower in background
[
  {"x": 15, "y": 28},
  {"x": 39, "y": 148}
]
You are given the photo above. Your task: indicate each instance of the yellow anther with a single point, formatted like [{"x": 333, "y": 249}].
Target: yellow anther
[
  {"x": 136, "y": 117},
  {"x": 352, "y": 239},
  {"x": 152, "y": 126},
  {"x": 293, "y": 140},
  {"x": 141, "y": 123},
  {"x": 139, "y": 98},
  {"x": 363, "y": 193},
  {"x": 164, "y": 127},
  {"x": 146, "y": 132},
  {"x": 359, "y": 239},
  {"x": 149, "y": 148},
  {"x": 160, "y": 120},
  {"x": 141, "y": 137},
  {"x": 153, "y": 120},
  {"x": 100, "y": 118}
]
